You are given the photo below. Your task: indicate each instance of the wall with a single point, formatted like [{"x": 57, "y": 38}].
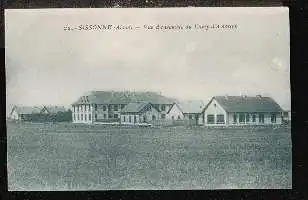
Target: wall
[
  {"x": 139, "y": 117},
  {"x": 83, "y": 110},
  {"x": 14, "y": 115},
  {"x": 267, "y": 119},
  {"x": 176, "y": 112},
  {"x": 215, "y": 110}
]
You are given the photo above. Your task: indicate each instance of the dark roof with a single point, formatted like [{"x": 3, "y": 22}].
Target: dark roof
[
  {"x": 55, "y": 109},
  {"x": 115, "y": 97},
  {"x": 247, "y": 104},
  {"x": 27, "y": 109},
  {"x": 191, "y": 106},
  {"x": 135, "y": 107}
]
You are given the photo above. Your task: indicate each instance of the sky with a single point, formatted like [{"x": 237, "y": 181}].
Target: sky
[{"x": 47, "y": 65}]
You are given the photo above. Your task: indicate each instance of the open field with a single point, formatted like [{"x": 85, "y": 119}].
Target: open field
[{"x": 84, "y": 157}]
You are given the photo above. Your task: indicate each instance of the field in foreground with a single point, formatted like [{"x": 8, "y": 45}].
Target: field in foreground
[{"x": 68, "y": 157}]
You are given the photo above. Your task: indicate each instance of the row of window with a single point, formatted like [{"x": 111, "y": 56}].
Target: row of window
[
  {"x": 82, "y": 117},
  {"x": 245, "y": 118},
  {"x": 220, "y": 119},
  {"x": 144, "y": 118},
  {"x": 81, "y": 108},
  {"x": 241, "y": 118}
]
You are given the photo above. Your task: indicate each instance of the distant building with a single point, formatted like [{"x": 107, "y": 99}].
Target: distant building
[
  {"x": 287, "y": 115},
  {"x": 106, "y": 106},
  {"x": 241, "y": 110},
  {"x": 175, "y": 113},
  {"x": 192, "y": 111},
  {"x": 137, "y": 113},
  {"x": 40, "y": 114},
  {"x": 24, "y": 113}
]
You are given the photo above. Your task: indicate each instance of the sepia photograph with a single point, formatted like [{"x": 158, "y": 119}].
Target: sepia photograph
[{"x": 148, "y": 99}]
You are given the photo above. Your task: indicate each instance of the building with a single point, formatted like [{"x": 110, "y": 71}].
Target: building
[
  {"x": 139, "y": 113},
  {"x": 24, "y": 113},
  {"x": 106, "y": 106},
  {"x": 192, "y": 111},
  {"x": 40, "y": 113},
  {"x": 287, "y": 116},
  {"x": 175, "y": 113},
  {"x": 241, "y": 110}
]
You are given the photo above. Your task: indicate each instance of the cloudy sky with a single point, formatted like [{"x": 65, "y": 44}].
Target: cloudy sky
[{"x": 47, "y": 65}]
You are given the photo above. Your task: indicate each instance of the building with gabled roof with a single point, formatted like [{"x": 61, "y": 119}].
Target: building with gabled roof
[
  {"x": 23, "y": 112},
  {"x": 106, "y": 106},
  {"x": 242, "y": 110},
  {"x": 139, "y": 112}
]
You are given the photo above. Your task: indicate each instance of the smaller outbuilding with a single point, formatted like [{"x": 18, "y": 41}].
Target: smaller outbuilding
[
  {"x": 24, "y": 113},
  {"x": 139, "y": 113},
  {"x": 192, "y": 111}
]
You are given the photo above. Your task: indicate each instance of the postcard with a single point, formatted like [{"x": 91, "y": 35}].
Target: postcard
[{"x": 151, "y": 99}]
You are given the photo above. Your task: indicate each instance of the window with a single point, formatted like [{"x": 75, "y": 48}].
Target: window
[
  {"x": 95, "y": 116},
  {"x": 105, "y": 116},
  {"x": 144, "y": 118},
  {"x": 234, "y": 118},
  {"x": 273, "y": 118},
  {"x": 261, "y": 118},
  {"x": 85, "y": 117},
  {"x": 90, "y": 117},
  {"x": 179, "y": 117},
  {"x": 122, "y": 106},
  {"x": 81, "y": 116},
  {"x": 190, "y": 116},
  {"x": 210, "y": 119},
  {"x": 104, "y": 108},
  {"x": 242, "y": 118},
  {"x": 163, "y": 107},
  {"x": 153, "y": 117},
  {"x": 130, "y": 118},
  {"x": 77, "y": 116},
  {"x": 163, "y": 116},
  {"x": 74, "y": 116},
  {"x": 124, "y": 118},
  {"x": 115, "y": 107},
  {"x": 95, "y": 107},
  {"x": 172, "y": 117},
  {"x": 135, "y": 119},
  {"x": 247, "y": 117},
  {"x": 215, "y": 105},
  {"x": 74, "y": 108},
  {"x": 220, "y": 119},
  {"x": 115, "y": 115},
  {"x": 253, "y": 117},
  {"x": 110, "y": 107},
  {"x": 89, "y": 108},
  {"x": 110, "y": 116}
]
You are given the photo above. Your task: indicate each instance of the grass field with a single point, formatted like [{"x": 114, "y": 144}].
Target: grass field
[{"x": 83, "y": 157}]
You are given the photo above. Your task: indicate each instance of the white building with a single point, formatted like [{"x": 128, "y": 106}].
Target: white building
[
  {"x": 24, "y": 112},
  {"x": 241, "y": 110},
  {"x": 139, "y": 113},
  {"x": 106, "y": 106}
]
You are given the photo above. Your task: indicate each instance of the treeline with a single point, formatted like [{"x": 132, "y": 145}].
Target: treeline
[{"x": 54, "y": 117}]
